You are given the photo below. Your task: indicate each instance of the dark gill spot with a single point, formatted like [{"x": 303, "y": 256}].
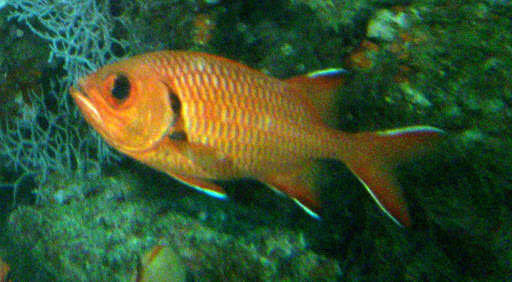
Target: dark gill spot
[
  {"x": 175, "y": 103},
  {"x": 178, "y": 136}
]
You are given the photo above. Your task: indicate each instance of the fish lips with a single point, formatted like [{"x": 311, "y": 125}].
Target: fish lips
[{"x": 85, "y": 105}]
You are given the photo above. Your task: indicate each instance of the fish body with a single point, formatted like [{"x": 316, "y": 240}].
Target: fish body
[{"x": 200, "y": 118}]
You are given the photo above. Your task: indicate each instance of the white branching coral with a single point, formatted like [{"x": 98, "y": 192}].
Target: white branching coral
[{"x": 78, "y": 31}]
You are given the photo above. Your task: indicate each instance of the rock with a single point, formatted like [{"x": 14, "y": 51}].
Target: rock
[{"x": 385, "y": 25}]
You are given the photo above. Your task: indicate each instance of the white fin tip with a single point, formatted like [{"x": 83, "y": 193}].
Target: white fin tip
[
  {"x": 410, "y": 129},
  {"x": 306, "y": 209},
  {"x": 327, "y": 72}
]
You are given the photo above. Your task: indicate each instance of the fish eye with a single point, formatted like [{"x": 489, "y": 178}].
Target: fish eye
[{"x": 121, "y": 88}]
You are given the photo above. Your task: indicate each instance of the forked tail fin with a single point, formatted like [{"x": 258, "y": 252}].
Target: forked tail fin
[{"x": 373, "y": 157}]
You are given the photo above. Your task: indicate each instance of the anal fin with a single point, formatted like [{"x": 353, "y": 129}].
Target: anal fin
[{"x": 299, "y": 185}]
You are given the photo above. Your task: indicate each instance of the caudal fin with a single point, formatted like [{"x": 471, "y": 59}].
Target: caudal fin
[{"x": 373, "y": 157}]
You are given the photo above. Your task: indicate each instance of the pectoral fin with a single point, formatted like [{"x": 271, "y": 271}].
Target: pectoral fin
[{"x": 213, "y": 162}]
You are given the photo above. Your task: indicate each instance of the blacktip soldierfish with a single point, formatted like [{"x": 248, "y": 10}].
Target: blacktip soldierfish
[{"x": 201, "y": 118}]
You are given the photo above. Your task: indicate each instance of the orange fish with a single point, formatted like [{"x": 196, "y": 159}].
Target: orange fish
[{"x": 202, "y": 118}]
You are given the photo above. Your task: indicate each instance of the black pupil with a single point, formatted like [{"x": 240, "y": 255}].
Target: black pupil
[{"x": 121, "y": 88}]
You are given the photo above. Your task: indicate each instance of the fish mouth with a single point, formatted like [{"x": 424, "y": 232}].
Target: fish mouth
[{"x": 85, "y": 104}]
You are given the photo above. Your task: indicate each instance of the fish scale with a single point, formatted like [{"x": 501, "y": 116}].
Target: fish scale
[{"x": 260, "y": 101}]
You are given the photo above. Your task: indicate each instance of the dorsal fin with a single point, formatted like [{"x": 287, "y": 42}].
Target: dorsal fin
[{"x": 319, "y": 87}]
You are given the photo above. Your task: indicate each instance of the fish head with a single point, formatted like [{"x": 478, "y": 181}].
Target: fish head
[{"x": 128, "y": 104}]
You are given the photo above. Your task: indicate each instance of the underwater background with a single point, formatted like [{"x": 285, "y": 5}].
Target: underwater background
[{"x": 71, "y": 208}]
